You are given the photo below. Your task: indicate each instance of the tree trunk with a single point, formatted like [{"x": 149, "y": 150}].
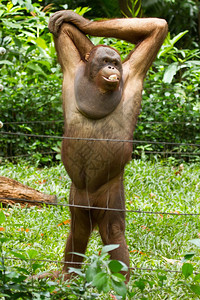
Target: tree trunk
[{"x": 12, "y": 191}]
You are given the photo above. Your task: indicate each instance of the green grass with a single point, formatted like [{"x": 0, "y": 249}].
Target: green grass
[{"x": 155, "y": 241}]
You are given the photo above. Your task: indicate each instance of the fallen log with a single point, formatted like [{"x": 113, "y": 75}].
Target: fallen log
[{"x": 12, "y": 192}]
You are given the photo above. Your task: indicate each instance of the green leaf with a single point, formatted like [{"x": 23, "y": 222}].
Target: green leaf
[
  {"x": 124, "y": 266},
  {"x": 36, "y": 68},
  {"x": 19, "y": 255},
  {"x": 178, "y": 37},
  {"x": 140, "y": 284},
  {"x": 82, "y": 10},
  {"x": 195, "y": 288},
  {"x": 32, "y": 253},
  {"x": 164, "y": 50},
  {"x": 119, "y": 288},
  {"x": 101, "y": 282},
  {"x": 23, "y": 270},
  {"x": 196, "y": 242},
  {"x": 187, "y": 270},
  {"x": 77, "y": 271},
  {"x": 194, "y": 63},
  {"x": 170, "y": 72},
  {"x": 5, "y": 62},
  {"x": 118, "y": 277},
  {"x": 161, "y": 279},
  {"x": 11, "y": 25},
  {"x": 79, "y": 254},
  {"x": 2, "y": 217},
  {"x": 12, "y": 274},
  {"x": 35, "y": 266},
  {"x": 14, "y": 2},
  {"x": 138, "y": 10},
  {"x": 29, "y": 6},
  {"x": 19, "y": 278},
  {"x": 1, "y": 12},
  {"x": 41, "y": 43},
  {"x": 92, "y": 271},
  {"x": 45, "y": 63},
  {"x": 108, "y": 248},
  {"x": 115, "y": 266},
  {"x": 188, "y": 256},
  {"x": 197, "y": 277},
  {"x": 4, "y": 239},
  {"x": 17, "y": 42}
]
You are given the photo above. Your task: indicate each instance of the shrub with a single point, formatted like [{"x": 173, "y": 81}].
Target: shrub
[{"x": 30, "y": 84}]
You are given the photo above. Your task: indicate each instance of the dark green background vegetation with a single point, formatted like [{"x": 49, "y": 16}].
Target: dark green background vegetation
[{"x": 32, "y": 78}]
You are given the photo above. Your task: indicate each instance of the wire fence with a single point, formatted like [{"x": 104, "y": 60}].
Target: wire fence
[
  {"x": 98, "y": 139},
  {"x": 134, "y": 142},
  {"x": 85, "y": 263},
  {"x": 99, "y": 208},
  {"x": 153, "y": 148},
  {"x": 53, "y": 153},
  {"x": 194, "y": 122},
  {"x": 193, "y": 147}
]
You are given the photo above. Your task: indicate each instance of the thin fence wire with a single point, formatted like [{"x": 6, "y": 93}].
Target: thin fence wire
[
  {"x": 99, "y": 208},
  {"x": 172, "y": 153},
  {"x": 163, "y": 153},
  {"x": 98, "y": 139},
  {"x": 84, "y": 263},
  {"x": 194, "y": 122},
  {"x": 33, "y": 122}
]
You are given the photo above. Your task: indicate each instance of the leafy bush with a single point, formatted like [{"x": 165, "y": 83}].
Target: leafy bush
[
  {"x": 171, "y": 99},
  {"x": 31, "y": 81}
]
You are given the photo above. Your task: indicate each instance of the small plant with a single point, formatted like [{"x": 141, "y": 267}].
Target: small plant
[
  {"x": 141, "y": 151},
  {"x": 103, "y": 273},
  {"x": 191, "y": 280}
]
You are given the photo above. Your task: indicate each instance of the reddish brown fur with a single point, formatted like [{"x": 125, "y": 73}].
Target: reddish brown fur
[
  {"x": 96, "y": 167},
  {"x": 94, "y": 49}
]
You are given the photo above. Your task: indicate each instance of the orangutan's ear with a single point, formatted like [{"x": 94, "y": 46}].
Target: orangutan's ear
[{"x": 87, "y": 56}]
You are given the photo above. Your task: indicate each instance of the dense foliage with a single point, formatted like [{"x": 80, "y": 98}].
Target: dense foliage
[
  {"x": 30, "y": 76},
  {"x": 174, "y": 11},
  {"x": 30, "y": 80},
  {"x": 171, "y": 98},
  {"x": 180, "y": 14}
]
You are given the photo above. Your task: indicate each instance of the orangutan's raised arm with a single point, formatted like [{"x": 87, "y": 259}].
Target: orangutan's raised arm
[
  {"x": 147, "y": 33},
  {"x": 70, "y": 42}
]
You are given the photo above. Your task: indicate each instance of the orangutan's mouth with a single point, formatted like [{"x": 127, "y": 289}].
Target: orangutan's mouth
[{"x": 112, "y": 78}]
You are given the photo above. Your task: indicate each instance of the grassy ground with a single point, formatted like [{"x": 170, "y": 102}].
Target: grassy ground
[{"x": 155, "y": 241}]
